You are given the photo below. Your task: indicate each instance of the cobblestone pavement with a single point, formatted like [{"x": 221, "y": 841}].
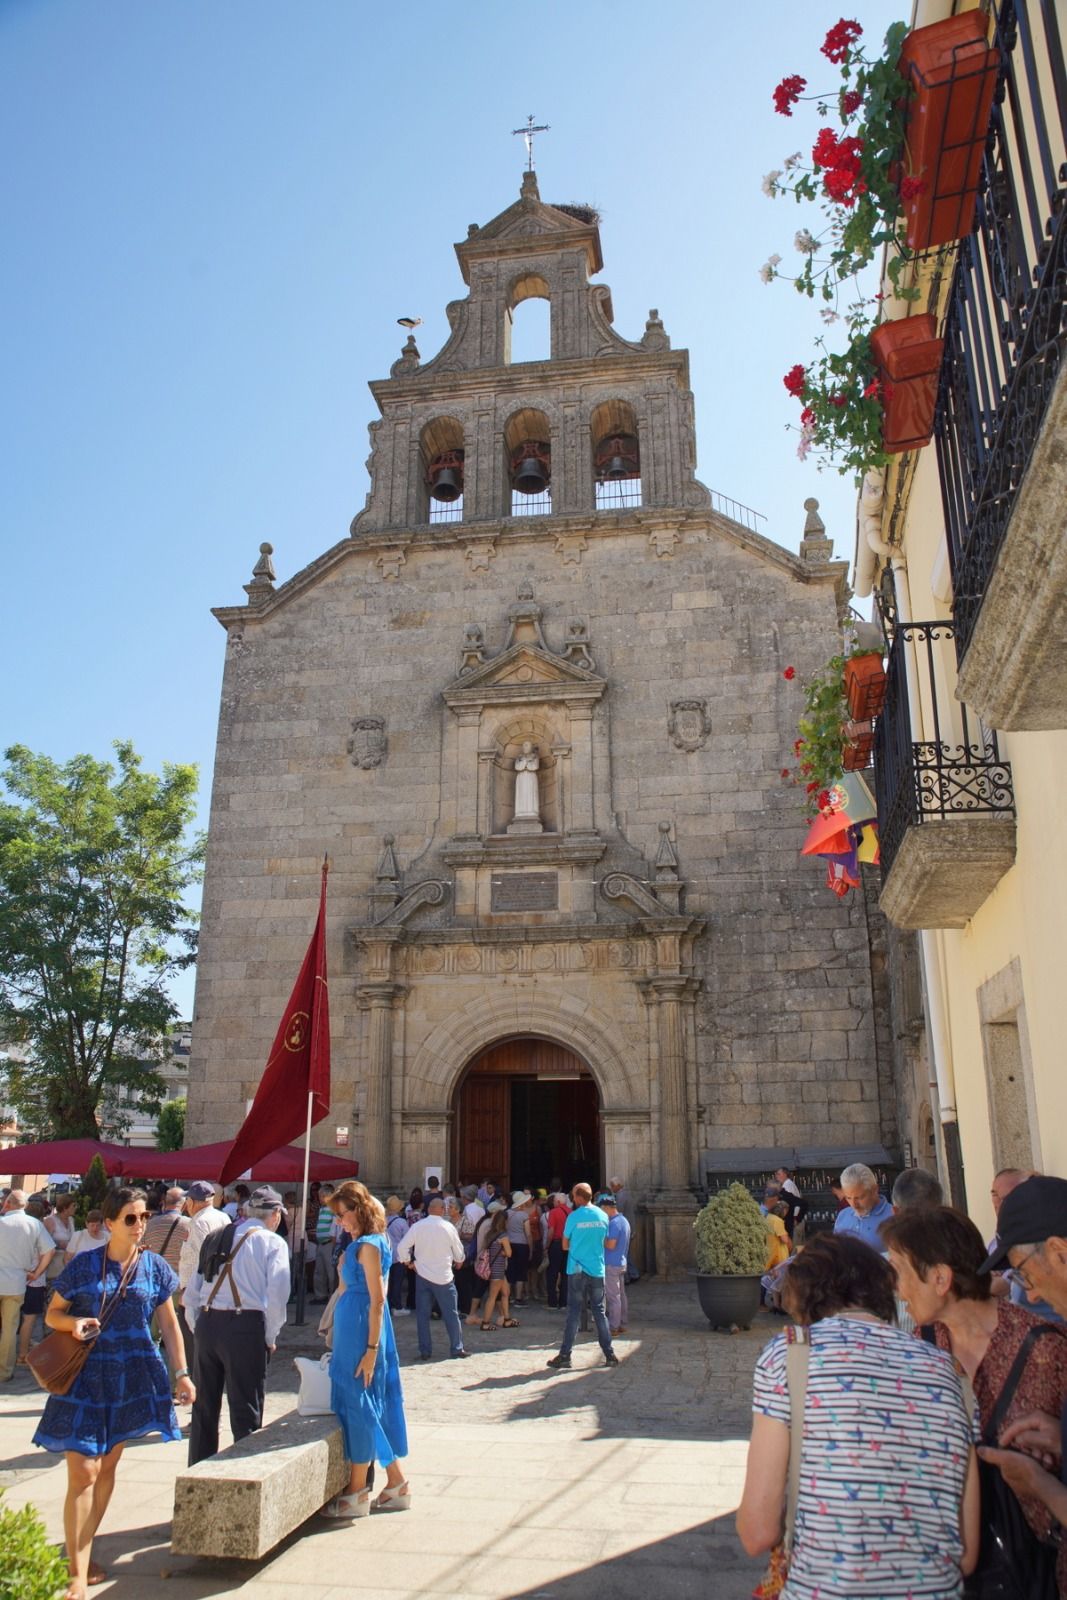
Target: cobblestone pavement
[{"x": 527, "y": 1484}]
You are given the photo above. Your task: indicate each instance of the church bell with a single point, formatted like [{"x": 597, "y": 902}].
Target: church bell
[
  {"x": 617, "y": 458},
  {"x": 531, "y": 467},
  {"x": 444, "y": 477}
]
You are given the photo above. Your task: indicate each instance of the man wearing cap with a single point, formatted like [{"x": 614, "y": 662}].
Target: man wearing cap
[
  {"x": 236, "y": 1316},
  {"x": 165, "y": 1235},
  {"x": 616, "y": 1245},
  {"x": 436, "y": 1249},
  {"x": 583, "y": 1240},
  {"x": 1032, "y": 1240},
  {"x": 203, "y": 1216}
]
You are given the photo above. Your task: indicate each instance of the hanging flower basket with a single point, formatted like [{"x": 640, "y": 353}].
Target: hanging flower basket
[
  {"x": 952, "y": 70},
  {"x": 908, "y": 354},
  {"x": 864, "y": 686}
]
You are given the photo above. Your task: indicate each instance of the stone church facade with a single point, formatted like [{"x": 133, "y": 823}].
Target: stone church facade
[{"x": 608, "y": 959}]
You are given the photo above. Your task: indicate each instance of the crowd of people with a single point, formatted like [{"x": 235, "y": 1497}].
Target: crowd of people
[{"x": 909, "y": 1422}]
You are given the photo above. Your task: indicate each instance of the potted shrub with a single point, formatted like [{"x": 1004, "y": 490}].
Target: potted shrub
[{"x": 731, "y": 1251}]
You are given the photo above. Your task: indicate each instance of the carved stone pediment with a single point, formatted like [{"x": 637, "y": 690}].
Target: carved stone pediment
[{"x": 523, "y": 673}]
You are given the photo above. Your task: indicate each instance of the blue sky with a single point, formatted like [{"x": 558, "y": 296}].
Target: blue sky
[{"x": 214, "y": 215}]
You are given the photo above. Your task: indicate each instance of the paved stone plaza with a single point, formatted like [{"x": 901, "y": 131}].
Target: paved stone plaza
[{"x": 617, "y": 1483}]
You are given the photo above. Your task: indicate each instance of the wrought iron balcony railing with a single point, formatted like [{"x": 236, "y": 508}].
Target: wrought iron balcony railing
[
  {"x": 1006, "y": 325},
  {"x": 957, "y": 772}
]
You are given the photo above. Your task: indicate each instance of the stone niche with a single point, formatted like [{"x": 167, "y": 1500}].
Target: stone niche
[{"x": 528, "y": 705}]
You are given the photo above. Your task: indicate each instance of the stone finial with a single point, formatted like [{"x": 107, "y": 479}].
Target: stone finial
[
  {"x": 387, "y": 870},
  {"x": 529, "y": 190},
  {"x": 666, "y": 854},
  {"x": 526, "y": 590},
  {"x": 576, "y": 647},
  {"x": 655, "y": 336},
  {"x": 408, "y": 361},
  {"x": 524, "y": 620},
  {"x": 815, "y": 546},
  {"x": 263, "y": 577}
]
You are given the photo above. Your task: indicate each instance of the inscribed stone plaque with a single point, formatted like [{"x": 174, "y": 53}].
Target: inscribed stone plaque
[{"x": 525, "y": 891}]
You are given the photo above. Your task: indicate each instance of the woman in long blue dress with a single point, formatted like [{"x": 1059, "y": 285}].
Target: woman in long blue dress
[
  {"x": 365, "y": 1372},
  {"x": 122, "y": 1392}
]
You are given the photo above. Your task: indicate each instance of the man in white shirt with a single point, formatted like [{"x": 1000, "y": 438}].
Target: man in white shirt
[
  {"x": 204, "y": 1218},
  {"x": 26, "y": 1248},
  {"x": 236, "y": 1315},
  {"x": 436, "y": 1249}
]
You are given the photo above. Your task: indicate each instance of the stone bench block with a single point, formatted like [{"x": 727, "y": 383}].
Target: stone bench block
[{"x": 250, "y": 1496}]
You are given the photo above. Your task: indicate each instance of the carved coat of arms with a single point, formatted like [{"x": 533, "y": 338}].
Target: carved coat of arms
[
  {"x": 689, "y": 724},
  {"x": 368, "y": 744}
]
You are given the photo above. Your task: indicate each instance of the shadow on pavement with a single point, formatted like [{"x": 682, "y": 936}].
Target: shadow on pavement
[{"x": 703, "y": 1563}]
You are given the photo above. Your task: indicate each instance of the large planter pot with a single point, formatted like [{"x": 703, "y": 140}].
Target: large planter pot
[
  {"x": 952, "y": 69},
  {"x": 858, "y": 752},
  {"x": 908, "y": 354},
  {"x": 728, "y": 1301},
  {"x": 864, "y": 686}
]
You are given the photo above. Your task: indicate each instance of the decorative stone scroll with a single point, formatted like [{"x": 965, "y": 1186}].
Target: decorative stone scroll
[
  {"x": 621, "y": 886},
  {"x": 431, "y": 892}
]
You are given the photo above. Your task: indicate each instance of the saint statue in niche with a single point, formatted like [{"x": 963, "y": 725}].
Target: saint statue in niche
[{"x": 527, "y": 814}]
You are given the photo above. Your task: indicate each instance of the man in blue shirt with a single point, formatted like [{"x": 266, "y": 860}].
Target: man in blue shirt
[
  {"x": 583, "y": 1240},
  {"x": 866, "y": 1209},
  {"x": 616, "y": 1246}
]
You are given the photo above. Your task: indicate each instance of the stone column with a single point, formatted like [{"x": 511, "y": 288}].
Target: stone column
[
  {"x": 673, "y": 1207},
  {"x": 377, "y": 995}
]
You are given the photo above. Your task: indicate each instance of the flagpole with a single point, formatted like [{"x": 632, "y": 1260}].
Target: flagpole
[
  {"x": 301, "y": 1284},
  {"x": 301, "y": 1281}
]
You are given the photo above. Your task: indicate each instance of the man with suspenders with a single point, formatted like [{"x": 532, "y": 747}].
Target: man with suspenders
[{"x": 235, "y": 1304}]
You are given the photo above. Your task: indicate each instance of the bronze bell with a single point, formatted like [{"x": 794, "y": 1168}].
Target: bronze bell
[
  {"x": 530, "y": 469},
  {"x": 445, "y": 476},
  {"x": 446, "y": 486},
  {"x": 616, "y": 468}
]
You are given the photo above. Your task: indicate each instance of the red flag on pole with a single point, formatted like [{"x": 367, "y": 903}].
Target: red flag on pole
[{"x": 294, "y": 1091}]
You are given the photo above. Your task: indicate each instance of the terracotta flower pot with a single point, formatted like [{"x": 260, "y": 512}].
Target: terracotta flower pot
[
  {"x": 952, "y": 69},
  {"x": 858, "y": 752},
  {"x": 908, "y": 354},
  {"x": 864, "y": 687}
]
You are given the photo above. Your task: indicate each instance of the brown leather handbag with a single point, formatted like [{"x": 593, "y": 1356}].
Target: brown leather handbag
[{"x": 59, "y": 1357}]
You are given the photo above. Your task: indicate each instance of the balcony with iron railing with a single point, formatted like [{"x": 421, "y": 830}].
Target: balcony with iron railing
[
  {"x": 946, "y": 806},
  {"x": 1002, "y": 405}
]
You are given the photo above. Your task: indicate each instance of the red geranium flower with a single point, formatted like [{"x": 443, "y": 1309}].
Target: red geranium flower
[
  {"x": 873, "y": 389},
  {"x": 807, "y": 416},
  {"x": 842, "y": 185},
  {"x": 840, "y": 39},
  {"x": 851, "y": 100},
  {"x": 811, "y": 788},
  {"x": 795, "y": 379},
  {"x": 824, "y": 150},
  {"x": 798, "y": 746},
  {"x": 788, "y": 93},
  {"x": 838, "y": 399},
  {"x": 785, "y": 772},
  {"x": 822, "y": 800},
  {"x": 910, "y": 187},
  {"x": 789, "y": 673}
]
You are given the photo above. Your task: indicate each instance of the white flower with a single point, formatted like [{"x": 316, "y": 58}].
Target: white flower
[
  {"x": 793, "y": 161},
  {"x": 770, "y": 183},
  {"x": 767, "y": 271},
  {"x": 829, "y": 316},
  {"x": 806, "y": 242},
  {"x": 807, "y": 436}
]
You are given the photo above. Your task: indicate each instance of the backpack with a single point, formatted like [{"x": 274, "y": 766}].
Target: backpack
[
  {"x": 481, "y": 1264},
  {"x": 468, "y": 1226},
  {"x": 216, "y": 1251}
]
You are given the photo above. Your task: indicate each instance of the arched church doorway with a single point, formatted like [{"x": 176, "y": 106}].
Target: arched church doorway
[{"x": 527, "y": 1115}]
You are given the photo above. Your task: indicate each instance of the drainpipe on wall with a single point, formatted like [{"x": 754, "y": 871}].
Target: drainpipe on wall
[{"x": 930, "y": 947}]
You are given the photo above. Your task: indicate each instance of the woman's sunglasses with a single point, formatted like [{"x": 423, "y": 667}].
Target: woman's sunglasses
[{"x": 134, "y": 1220}]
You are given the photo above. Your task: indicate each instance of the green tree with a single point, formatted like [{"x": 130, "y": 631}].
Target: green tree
[
  {"x": 93, "y": 1191},
  {"x": 95, "y": 860},
  {"x": 170, "y": 1130}
]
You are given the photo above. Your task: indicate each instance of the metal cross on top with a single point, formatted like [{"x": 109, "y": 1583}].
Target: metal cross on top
[{"x": 528, "y": 134}]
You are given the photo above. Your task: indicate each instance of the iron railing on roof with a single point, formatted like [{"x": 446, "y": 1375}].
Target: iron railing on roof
[
  {"x": 1006, "y": 325},
  {"x": 726, "y": 507}
]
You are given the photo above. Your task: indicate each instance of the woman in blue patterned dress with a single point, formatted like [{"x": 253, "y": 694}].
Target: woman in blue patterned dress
[
  {"x": 365, "y": 1371},
  {"x": 122, "y": 1391},
  {"x": 888, "y": 1493}
]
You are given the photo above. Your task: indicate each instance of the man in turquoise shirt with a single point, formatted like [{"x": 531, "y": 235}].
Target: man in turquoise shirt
[
  {"x": 866, "y": 1209},
  {"x": 583, "y": 1240}
]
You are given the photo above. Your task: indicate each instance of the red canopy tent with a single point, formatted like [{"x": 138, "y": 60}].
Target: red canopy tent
[
  {"x": 207, "y": 1160},
  {"x": 64, "y": 1155}
]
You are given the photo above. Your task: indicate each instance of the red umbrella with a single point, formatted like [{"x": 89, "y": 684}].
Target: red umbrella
[
  {"x": 207, "y": 1160},
  {"x": 64, "y": 1155}
]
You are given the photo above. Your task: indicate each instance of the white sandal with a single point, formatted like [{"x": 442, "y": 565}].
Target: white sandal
[
  {"x": 398, "y": 1499},
  {"x": 347, "y": 1507}
]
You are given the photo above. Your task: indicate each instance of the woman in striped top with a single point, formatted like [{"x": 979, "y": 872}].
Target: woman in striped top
[{"x": 888, "y": 1492}]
